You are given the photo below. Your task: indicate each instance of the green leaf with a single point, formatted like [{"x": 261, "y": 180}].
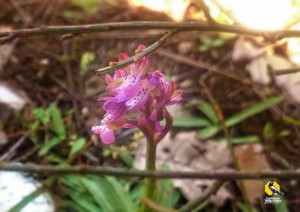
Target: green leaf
[
  {"x": 245, "y": 139},
  {"x": 41, "y": 115},
  {"x": 206, "y": 40},
  {"x": 94, "y": 193},
  {"x": 209, "y": 132},
  {"x": 291, "y": 120},
  {"x": 253, "y": 110},
  {"x": 136, "y": 193},
  {"x": 281, "y": 207},
  {"x": 77, "y": 145},
  {"x": 19, "y": 206},
  {"x": 167, "y": 195},
  {"x": 55, "y": 159},
  {"x": 83, "y": 202},
  {"x": 49, "y": 145},
  {"x": 89, "y": 6},
  {"x": 78, "y": 205},
  {"x": 190, "y": 122},
  {"x": 123, "y": 199},
  {"x": 74, "y": 15},
  {"x": 86, "y": 60},
  {"x": 57, "y": 125},
  {"x": 243, "y": 207},
  {"x": 208, "y": 110},
  {"x": 268, "y": 131},
  {"x": 237, "y": 118},
  {"x": 127, "y": 159},
  {"x": 99, "y": 193},
  {"x": 202, "y": 206},
  {"x": 283, "y": 133},
  {"x": 218, "y": 42}
]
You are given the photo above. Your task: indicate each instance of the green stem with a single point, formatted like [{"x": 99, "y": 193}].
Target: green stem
[{"x": 150, "y": 183}]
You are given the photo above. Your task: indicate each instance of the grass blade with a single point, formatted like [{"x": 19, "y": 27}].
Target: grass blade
[
  {"x": 18, "y": 207},
  {"x": 209, "y": 132},
  {"x": 57, "y": 126},
  {"x": 99, "y": 194},
  {"x": 281, "y": 207},
  {"x": 253, "y": 110},
  {"x": 49, "y": 145},
  {"x": 77, "y": 146},
  {"x": 241, "y": 116},
  {"x": 208, "y": 110},
  {"x": 190, "y": 122},
  {"x": 245, "y": 139},
  {"x": 124, "y": 201}
]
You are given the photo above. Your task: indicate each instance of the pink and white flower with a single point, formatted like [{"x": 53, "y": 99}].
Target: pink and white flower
[{"x": 134, "y": 90}]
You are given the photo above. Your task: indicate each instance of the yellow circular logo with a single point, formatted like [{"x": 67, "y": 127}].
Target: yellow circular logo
[{"x": 268, "y": 190}]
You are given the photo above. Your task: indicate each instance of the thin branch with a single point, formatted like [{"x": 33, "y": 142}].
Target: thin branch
[
  {"x": 221, "y": 175},
  {"x": 141, "y": 25},
  {"x": 286, "y": 71},
  {"x": 130, "y": 60},
  {"x": 281, "y": 161},
  {"x": 10, "y": 153},
  {"x": 207, "y": 14},
  {"x": 190, "y": 206}
]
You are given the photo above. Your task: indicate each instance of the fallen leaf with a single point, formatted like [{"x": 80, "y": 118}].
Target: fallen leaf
[
  {"x": 245, "y": 50},
  {"x": 258, "y": 71},
  {"x": 12, "y": 97},
  {"x": 251, "y": 158},
  {"x": 186, "y": 153},
  {"x": 259, "y": 59}
]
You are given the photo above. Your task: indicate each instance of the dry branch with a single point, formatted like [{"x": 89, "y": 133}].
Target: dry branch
[
  {"x": 221, "y": 175},
  {"x": 141, "y": 25}
]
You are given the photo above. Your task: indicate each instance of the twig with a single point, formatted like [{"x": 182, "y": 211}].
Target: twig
[
  {"x": 130, "y": 60},
  {"x": 9, "y": 154},
  {"x": 221, "y": 175},
  {"x": 199, "y": 64},
  {"x": 141, "y": 25},
  {"x": 23, "y": 14},
  {"x": 207, "y": 14},
  {"x": 286, "y": 71},
  {"x": 281, "y": 161},
  {"x": 67, "y": 48},
  {"x": 204, "y": 196}
]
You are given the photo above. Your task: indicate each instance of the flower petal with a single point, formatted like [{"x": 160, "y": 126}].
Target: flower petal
[
  {"x": 107, "y": 135},
  {"x": 139, "y": 100},
  {"x": 113, "y": 107},
  {"x": 123, "y": 56},
  {"x": 158, "y": 127}
]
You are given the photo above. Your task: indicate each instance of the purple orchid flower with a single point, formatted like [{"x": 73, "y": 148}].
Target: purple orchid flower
[{"x": 134, "y": 90}]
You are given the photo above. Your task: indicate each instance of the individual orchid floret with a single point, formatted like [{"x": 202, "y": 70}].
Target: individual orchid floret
[
  {"x": 107, "y": 135},
  {"x": 133, "y": 90}
]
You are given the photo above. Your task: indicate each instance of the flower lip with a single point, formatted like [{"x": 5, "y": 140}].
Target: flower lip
[{"x": 107, "y": 135}]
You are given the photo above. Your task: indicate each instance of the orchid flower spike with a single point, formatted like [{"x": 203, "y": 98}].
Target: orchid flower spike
[{"x": 133, "y": 90}]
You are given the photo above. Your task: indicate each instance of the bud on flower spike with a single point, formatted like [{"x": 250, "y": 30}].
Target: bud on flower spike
[{"x": 134, "y": 90}]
